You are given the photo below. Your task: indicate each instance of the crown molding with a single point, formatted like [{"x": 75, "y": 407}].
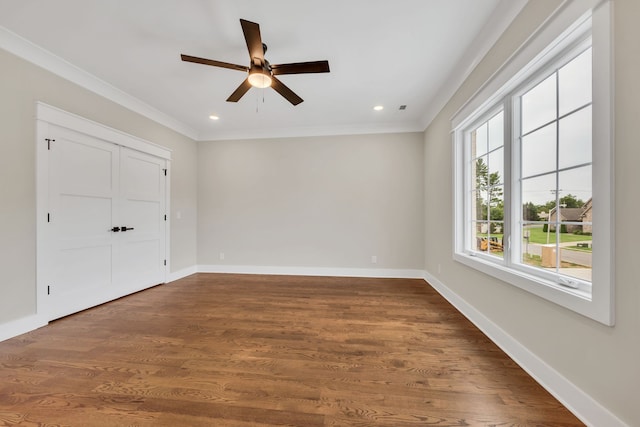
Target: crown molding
[
  {"x": 23, "y": 48},
  {"x": 311, "y": 131}
]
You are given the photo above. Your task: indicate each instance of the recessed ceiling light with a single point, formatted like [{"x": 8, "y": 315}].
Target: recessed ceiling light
[
  {"x": 378, "y": 108},
  {"x": 214, "y": 117}
]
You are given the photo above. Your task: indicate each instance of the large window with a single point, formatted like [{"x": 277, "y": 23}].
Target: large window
[
  {"x": 555, "y": 176},
  {"x": 533, "y": 173}
]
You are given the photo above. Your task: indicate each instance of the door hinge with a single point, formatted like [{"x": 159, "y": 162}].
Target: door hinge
[
  {"x": 165, "y": 172},
  {"x": 165, "y": 217},
  {"x": 165, "y": 262},
  {"x": 48, "y": 290},
  {"x": 48, "y": 217},
  {"x": 49, "y": 141}
]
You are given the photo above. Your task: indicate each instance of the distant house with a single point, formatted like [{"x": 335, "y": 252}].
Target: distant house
[
  {"x": 573, "y": 215},
  {"x": 586, "y": 216}
]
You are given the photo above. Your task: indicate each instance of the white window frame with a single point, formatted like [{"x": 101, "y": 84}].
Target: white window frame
[{"x": 567, "y": 29}]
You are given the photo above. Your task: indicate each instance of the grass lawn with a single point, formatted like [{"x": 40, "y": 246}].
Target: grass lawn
[
  {"x": 536, "y": 261},
  {"x": 536, "y": 235},
  {"x": 579, "y": 249}
]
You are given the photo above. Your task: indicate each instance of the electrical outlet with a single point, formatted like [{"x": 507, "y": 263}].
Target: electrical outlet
[
  {"x": 374, "y": 259},
  {"x": 221, "y": 255}
]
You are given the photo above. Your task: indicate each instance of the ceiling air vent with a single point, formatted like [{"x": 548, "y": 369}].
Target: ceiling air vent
[{"x": 402, "y": 107}]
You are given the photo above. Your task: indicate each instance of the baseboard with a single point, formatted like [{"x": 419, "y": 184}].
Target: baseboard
[
  {"x": 21, "y": 326},
  {"x": 314, "y": 271},
  {"x": 583, "y": 406},
  {"x": 176, "y": 275}
]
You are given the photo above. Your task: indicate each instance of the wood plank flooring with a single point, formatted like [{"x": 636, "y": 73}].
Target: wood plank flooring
[{"x": 243, "y": 350}]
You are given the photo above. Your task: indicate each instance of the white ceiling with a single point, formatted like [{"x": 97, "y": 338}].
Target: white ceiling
[{"x": 391, "y": 53}]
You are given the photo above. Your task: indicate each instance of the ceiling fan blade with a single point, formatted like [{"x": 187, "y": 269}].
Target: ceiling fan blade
[
  {"x": 252, "y": 36},
  {"x": 188, "y": 58},
  {"x": 238, "y": 93},
  {"x": 285, "y": 91},
  {"x": 301, "y": 67}
]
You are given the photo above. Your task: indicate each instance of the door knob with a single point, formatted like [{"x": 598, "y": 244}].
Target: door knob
[{"x": 115, "y": 229}]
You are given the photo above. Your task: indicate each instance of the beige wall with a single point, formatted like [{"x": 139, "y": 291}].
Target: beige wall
[
  {"x": 21, "y": 85},
  {"x": 312, "y": 202},
  {"x": 602, "y": 361}
]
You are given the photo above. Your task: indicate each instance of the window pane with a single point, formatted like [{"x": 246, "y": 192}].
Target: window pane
[
  {"x": 587, "y": 217},
  {"x": 479, "y": 141},
  {"x": 540, "y": 192},
  {"x": 496, "y": 216},
  {"x": 479, "y": 200},
  {"x": 496, "y": 167},
  {"x": 575, "y": 187},
  {"x": 576, "y": 261},
  {"x": 539, "y": 104},
  {"x": 575, "y": 139},
  {"x": 539, "y": 151},
  {"x": 482, "y": 236},
  {"x": 532, "y": 212},
  {"x": 533, "y": 237},
  {"x": 495, "y": 242},
  {"x": 575, "y": 243},
  {"x": 575, "y": 83},
  {"x": 496, "y": 203},
  {"x": 481, "y": 172},
  {"x": 496, "y": 131}
]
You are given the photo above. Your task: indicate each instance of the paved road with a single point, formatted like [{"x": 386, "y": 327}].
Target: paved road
[
  {"x": 576, "y": 257},
  {"x": 567, "y": 255}
]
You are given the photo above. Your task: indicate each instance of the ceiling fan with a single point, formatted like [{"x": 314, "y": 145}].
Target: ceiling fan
[{"x": 261, "y": 74}]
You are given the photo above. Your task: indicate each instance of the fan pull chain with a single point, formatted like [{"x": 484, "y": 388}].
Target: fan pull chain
[{"x": 258, "y": 101}]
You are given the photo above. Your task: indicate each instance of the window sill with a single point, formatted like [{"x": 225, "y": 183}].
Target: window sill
[{"x": 577, "y": 300}]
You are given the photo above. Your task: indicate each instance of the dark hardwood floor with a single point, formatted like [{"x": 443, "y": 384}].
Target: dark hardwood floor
[{"x": 242, "y": 350}]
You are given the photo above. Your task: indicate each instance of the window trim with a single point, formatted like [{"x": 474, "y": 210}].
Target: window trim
[{"x": 566, "y": 29}]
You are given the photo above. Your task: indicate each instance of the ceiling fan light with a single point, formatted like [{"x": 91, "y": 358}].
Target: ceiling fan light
[{"x": 259, "y": 78}]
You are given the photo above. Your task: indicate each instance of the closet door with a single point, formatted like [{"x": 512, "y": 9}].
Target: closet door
[
  {"x": 106, "y": 224},
  {"x": 81, "y": 254},
  {"x": 142, "y": 220}
]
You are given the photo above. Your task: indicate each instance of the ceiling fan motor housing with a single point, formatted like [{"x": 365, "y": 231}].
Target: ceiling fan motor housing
[{"x": 260, "y": 76}]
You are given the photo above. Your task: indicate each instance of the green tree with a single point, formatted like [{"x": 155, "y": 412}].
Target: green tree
[
  {"x": 497, "y": 212},
  {"x": 530, "y": 212},
  {"x": 568, "y": 201},
  {"x": 489, "y": 194},
  {"x": 571, "y": 201},
  {"x": 489, "y": 183}
]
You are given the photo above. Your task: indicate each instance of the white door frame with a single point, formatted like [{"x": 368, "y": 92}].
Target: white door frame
[{"x": 47, "y": 115}]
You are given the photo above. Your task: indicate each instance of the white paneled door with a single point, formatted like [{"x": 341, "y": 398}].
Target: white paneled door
[
  {"x": 141, "y": 248},
  {"x": 106, "y": 222}
]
